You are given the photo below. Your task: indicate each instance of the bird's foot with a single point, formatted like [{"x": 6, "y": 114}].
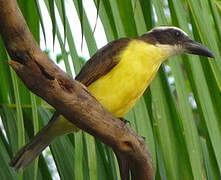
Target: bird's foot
[
  {"x": 144, "y": 138},
  {"x": 124, "y": 120}
]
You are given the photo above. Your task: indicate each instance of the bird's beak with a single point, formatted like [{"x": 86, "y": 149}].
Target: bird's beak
[{"x": 193, "y": 47}]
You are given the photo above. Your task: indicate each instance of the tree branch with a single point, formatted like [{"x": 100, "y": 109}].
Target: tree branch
[{"x": 69, "y": 97}]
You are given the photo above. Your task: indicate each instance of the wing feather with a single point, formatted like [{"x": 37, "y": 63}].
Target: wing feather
[{"x": 102, "y": 61}]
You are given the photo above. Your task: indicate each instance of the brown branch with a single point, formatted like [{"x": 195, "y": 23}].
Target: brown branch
[{"x": 69, "y": 97}]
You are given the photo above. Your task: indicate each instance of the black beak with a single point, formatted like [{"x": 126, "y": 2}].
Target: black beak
[{"x": 193, "y": 47}]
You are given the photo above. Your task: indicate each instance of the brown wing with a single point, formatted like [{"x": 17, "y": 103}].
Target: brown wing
[{"x": 101, "y": 62}]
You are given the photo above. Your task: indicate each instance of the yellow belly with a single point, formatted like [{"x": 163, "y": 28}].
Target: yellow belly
[{"x": 119, "y": 89}]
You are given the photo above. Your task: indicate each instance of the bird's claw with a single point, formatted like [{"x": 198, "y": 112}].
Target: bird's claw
[{"x": 124, "y": 120}]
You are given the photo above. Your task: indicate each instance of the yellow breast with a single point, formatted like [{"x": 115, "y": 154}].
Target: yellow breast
[{"x": 119, "y": 89}]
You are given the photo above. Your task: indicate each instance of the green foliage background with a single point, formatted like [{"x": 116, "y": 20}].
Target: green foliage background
[{"x": 184, "y": 140}]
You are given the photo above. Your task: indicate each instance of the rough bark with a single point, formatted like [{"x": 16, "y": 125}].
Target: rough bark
[{"x": 69, "y": 97}]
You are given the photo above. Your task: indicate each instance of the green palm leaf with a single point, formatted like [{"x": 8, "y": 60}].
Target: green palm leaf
[{"x": 184, "y": 137}]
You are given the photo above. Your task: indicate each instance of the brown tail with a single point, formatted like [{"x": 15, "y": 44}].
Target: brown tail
[
  {"x": 57, "y": 126},
  {"x": 34, "y": 148}
]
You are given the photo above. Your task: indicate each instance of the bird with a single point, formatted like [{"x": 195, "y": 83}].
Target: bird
[{"x": 117, "y": 75}]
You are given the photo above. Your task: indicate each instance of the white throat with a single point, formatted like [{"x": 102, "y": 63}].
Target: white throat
[{"x": 170, "y": 50}]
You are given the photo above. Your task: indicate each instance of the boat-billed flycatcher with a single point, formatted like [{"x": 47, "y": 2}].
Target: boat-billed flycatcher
[{"x": 117, "y": 75}]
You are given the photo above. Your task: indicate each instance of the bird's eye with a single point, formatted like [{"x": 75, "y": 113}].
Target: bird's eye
[{"x": 177, "y": 34}]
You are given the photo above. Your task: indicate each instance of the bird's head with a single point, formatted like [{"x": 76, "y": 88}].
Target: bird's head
[{"x": 175, "y": 41}]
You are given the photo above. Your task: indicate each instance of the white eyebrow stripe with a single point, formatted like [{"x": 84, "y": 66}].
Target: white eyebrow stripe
[{"x": 168, "y": 27}]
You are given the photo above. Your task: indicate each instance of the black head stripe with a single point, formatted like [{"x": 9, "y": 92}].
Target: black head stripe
[{"x": 171, "y": 36}]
